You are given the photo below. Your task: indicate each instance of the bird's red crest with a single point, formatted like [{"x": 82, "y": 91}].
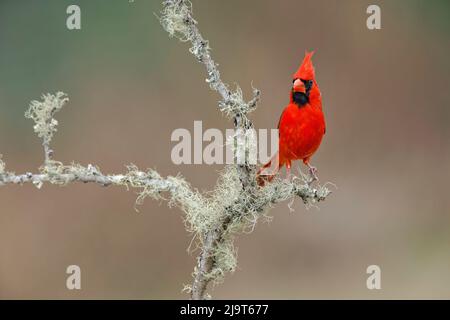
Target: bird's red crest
[{"x": 306, "y": 70}]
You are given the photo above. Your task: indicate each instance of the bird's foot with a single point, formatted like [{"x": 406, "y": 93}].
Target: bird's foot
[
  {"x": 288, "y": 174},
  {"x": 312, "y": 174}
]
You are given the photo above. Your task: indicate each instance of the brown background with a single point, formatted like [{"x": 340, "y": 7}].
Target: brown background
[{"x": 387, "y": 147}]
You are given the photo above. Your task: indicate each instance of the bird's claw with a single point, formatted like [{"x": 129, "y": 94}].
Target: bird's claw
[
  {"x": 312, "y": 174},
  {"x": 289, "y": 178}
]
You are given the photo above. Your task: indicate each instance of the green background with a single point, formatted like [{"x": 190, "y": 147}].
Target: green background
[{"x": 386, "y": 100}]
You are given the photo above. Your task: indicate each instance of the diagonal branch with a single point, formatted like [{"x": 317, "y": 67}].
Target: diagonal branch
[{"x": 177, "y": 19}]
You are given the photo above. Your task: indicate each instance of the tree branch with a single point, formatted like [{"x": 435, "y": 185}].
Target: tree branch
[{"x": 177, "y": 19}]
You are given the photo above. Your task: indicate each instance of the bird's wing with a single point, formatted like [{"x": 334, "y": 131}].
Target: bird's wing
[{"x": 279, "y": 121}]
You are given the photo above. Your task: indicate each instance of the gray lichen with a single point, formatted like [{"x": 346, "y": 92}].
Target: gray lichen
[
  {"x": 42, "y": 112},
  {"x": 2, "y": 165},
  {"x": 176, "y": 18}
]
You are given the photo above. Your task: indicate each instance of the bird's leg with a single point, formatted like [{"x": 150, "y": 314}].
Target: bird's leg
[
  {"x": 288, "y": 171},
  {"x": 312, "y": 173}
]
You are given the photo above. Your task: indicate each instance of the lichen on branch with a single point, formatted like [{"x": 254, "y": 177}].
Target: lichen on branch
[
  {"x": 2, "y": 165},
  {"x": 42, "y": 112},
  {"x": 177, "y": 19}
]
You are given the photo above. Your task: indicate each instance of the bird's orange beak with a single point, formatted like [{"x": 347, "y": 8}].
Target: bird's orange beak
[{"x": 299, "y": 86}]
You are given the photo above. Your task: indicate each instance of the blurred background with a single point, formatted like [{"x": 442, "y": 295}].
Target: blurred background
[{"x": 386, "y": 100}]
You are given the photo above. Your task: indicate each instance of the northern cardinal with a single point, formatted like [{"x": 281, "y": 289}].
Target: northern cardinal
[{"x": 301, "y": 126}]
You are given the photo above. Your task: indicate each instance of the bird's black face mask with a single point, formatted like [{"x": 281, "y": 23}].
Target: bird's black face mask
[{"x": 302, "y": 98}]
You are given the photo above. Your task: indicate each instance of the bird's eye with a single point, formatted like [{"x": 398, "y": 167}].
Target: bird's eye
[{"x": 308, "y": 84}]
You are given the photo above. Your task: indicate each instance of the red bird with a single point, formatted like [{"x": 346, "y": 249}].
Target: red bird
[{"x": 301, "y": 126}]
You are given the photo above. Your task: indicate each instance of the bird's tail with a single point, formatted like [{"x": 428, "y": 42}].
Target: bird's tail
[{"x": 268, "y": 171}]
